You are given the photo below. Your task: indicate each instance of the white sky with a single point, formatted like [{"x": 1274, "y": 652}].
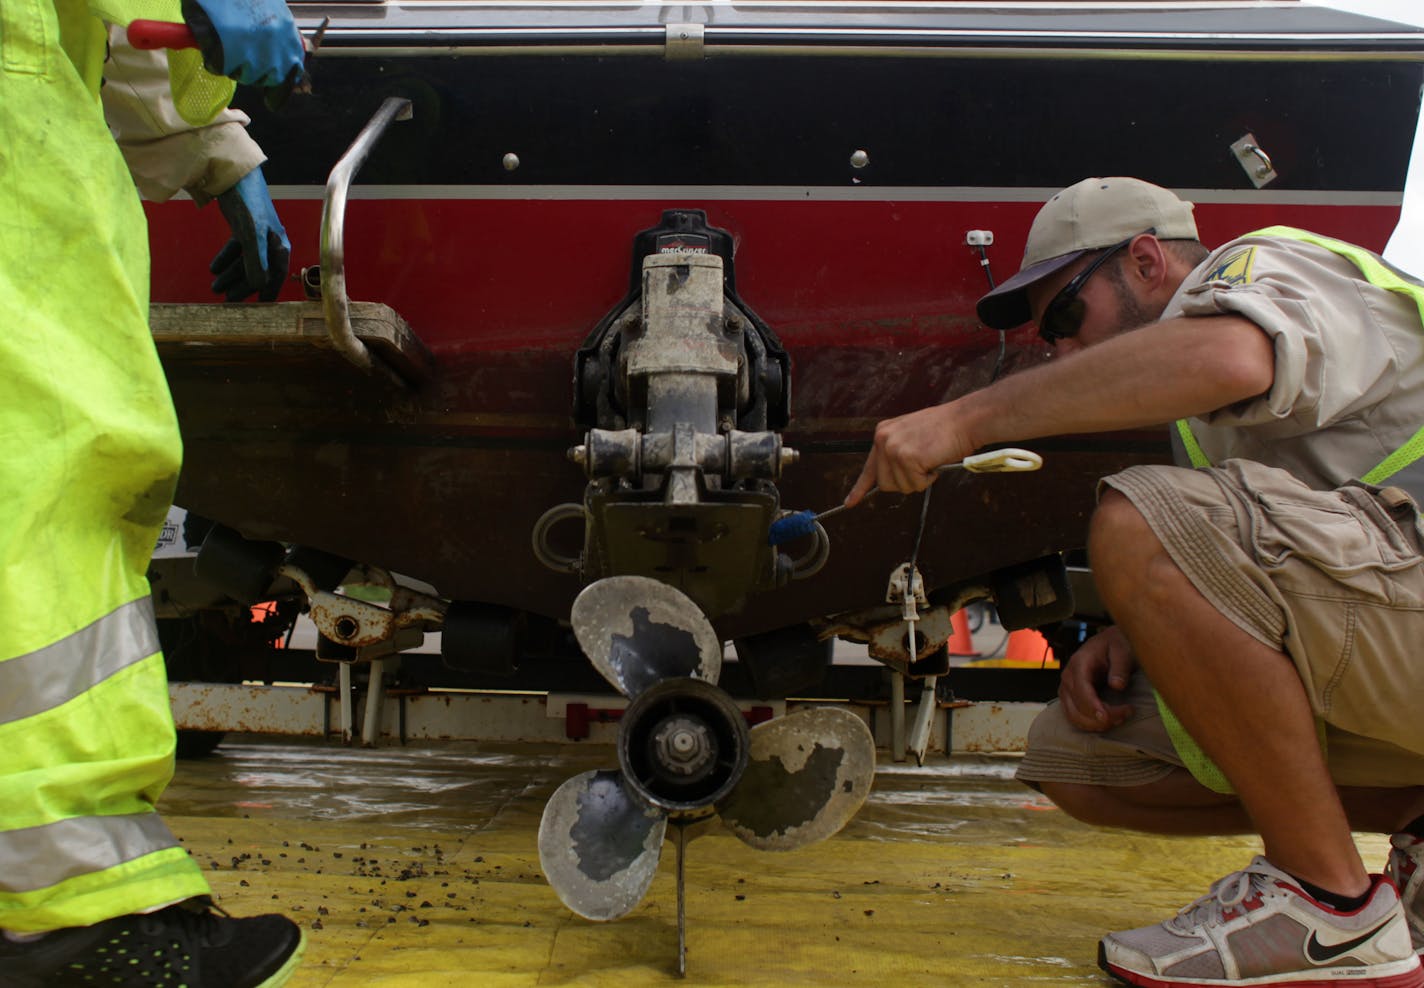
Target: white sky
[
  {"x": 1406, "y": 246},
  {"x": 1406, "y": 11}
]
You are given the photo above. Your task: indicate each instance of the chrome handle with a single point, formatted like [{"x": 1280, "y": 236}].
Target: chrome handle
[
  {"x": 1266, "y": 166},
  {"x": 334, "y": 303},
  {"x": 1254, "y": 161}
]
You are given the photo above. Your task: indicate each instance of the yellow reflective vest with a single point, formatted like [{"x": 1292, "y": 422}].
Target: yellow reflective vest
[
  {"x": 197, "y": 94},
  {"x": 1382, "y": 276}
]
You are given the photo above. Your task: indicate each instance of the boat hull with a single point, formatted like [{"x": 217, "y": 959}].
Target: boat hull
[{"x": 503, "y": 265}]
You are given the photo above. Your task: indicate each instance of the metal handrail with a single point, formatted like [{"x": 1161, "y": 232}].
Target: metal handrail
[{"x": 334, "y": 302}]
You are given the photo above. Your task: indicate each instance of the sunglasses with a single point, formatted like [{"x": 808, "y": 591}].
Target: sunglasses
[{"x": 1063, "y": 316}]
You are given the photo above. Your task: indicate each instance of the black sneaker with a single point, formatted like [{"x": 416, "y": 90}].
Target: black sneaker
[{"x": 193, "y": 944}]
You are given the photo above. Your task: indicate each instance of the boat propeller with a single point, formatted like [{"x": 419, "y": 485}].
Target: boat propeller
[{"x": 685, "y": 755}]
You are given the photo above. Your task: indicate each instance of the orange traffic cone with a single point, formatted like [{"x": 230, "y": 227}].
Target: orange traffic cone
[
  {"x": 260, "y": 613},
  {"x": 961, "y": 642},
  {"x": 1028, "y": 647}
]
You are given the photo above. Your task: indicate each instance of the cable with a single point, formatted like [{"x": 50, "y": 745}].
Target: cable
[
  {"x": 920, "y": 533},
  {"x": 984, "y": 262},
  {"x": 1003, "y": 336},
  {"x": 999, "y": 361}
]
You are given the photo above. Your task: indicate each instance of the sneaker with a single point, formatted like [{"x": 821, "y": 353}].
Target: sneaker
[
  {"x": 1257, "y": 927},
  {"x": 193, "y": 944},
  {"x": 1406, "y": 869}
]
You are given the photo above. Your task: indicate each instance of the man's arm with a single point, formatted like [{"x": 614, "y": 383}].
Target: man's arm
[
  {"x": 214, "y": 161},
  {"x": 1153, "y": 375},
  {"x": 165, "y": 153}
]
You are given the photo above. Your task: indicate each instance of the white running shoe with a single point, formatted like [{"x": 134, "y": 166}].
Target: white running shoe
[
  {"x": 1258, "y": 927},
  {"x": 1406, "y": 869}
]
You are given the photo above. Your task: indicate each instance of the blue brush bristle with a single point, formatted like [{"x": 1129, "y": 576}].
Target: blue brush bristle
[{"x": 791, "y": 527}]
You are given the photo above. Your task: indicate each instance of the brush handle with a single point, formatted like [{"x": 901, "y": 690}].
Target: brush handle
[
  {"x": 1008, "y": 460},
  {"x": 154, "y": 35}
]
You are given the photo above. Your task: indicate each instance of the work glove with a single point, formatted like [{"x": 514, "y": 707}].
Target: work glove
[
  {"x": 255, "y": 42},
  {"x": 255, "y": 259}
]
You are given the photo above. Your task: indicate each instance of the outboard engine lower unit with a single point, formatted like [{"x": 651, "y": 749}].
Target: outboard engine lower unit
[{"x": 681, "y": 389}]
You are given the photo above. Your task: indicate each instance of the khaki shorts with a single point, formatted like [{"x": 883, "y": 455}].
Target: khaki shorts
[
  {"x": 1334, "y": 579},
  {"x": 1138, "y": 751}
]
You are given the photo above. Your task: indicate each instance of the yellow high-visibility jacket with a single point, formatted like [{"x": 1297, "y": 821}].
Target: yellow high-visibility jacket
[{"x": 89, "y": 455}]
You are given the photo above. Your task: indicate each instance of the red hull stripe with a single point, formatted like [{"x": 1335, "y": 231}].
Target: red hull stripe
[{"x": 538, "y": 274}]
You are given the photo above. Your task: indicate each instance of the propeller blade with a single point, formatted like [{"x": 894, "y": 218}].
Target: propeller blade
[
  {"x": 599, "y": 847},
  {"x": 638, "y": 632},
  {"x": 808, "y": 775}
]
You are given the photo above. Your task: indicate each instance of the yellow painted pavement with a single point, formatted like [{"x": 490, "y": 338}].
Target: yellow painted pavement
[{"x": 419, "y": 867}]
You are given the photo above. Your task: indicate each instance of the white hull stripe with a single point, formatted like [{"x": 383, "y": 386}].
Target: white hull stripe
[
  {"x": 42, "y": 680},
  {"x": 37, "y": 857},
  {"x": 788, "y": 193}
]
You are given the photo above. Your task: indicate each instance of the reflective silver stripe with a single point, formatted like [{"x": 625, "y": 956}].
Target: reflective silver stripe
[
  {"x": 38, "y": 857},
  {"x": 31, "y": 684}
]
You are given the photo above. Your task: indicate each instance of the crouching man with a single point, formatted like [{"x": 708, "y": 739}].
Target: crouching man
[{"x": 1268, "y": 594}]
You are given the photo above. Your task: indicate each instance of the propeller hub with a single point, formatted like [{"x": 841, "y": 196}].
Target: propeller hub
[{"x": 682, "y": 745}]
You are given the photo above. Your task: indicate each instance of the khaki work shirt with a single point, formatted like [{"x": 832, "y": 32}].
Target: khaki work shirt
[
  {"x": 165, "y": 153},
  {"x": 1349, "y": 376}
]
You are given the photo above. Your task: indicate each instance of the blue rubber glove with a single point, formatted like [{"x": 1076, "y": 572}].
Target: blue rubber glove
[
  {"x": 255, "y": 259},
  {"x": 255, "y": 42}
]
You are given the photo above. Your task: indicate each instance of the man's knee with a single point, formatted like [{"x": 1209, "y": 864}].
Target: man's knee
[
  {"x": 1087, "y": 803},
  {"x": 1175, "y": 804},
  {"x": 1128, "y": 558},
  {"x": 1117, "y": 526}
]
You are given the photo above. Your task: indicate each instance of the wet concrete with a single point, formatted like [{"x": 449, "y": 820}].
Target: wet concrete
[{"x": 419, "y": 867}]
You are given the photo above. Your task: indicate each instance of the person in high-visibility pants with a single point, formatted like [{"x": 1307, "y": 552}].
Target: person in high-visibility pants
[{"x": 94, "y": 889}]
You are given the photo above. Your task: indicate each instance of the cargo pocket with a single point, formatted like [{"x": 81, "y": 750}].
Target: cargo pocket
[
  {"x": 1355, "y": 545},
  {"x": 23, "y": 39}
]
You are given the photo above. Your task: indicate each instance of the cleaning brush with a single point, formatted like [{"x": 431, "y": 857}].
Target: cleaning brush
[{"x": 803, "y": 523}]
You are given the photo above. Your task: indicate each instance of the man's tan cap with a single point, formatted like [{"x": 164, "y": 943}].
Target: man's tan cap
[{"x": 1093, "y": 214}]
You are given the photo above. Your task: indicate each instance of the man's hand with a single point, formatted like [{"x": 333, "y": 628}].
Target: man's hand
[
  {"x": 255, "y": 42},
  {"x": 255, "y": 259},
  {"x": 1104, "y": 662},
  {"x": 907, "y": 449}
]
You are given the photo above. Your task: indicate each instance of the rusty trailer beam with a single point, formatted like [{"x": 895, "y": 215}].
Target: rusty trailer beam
[{"x": 406, "y": 715}]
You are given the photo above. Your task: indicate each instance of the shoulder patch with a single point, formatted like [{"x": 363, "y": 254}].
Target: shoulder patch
[{"x": 1234, "y": 268}]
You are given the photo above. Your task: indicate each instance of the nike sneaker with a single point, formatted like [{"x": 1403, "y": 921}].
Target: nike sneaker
[
  {"x": 1406, "y": 869},
  {"x": 1258, "y": 927}
]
